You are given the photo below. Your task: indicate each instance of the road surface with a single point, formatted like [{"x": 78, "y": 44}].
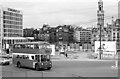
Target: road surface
[{"x": 66, "y": 69}]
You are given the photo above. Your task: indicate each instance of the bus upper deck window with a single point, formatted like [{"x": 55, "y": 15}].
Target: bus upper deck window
[
  {"x": 18, "y": 46},
  {"x": 32, "y": 46},
  {"x": 18, "y": 56},
  {"x": 48, "y": 57},
  {"x": 27, "y": 57},
  {"x": 24, "y": 57},
  {"x": 23, "y": 46}
]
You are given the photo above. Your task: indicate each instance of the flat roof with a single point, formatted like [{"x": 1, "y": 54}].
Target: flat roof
[{"x": 39, "y": 42}]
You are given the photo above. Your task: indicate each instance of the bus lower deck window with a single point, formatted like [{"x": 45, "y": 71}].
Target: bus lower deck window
[
  {"x": 32, "y": 57},
  {"x": 27, "y": 57}
]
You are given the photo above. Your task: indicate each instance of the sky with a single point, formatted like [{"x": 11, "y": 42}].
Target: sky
[{"x": 58, "y": 12}]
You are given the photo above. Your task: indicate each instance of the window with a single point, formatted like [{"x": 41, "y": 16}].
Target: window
[
  {"x": 113, "y": 29},
  {"x": 117, "y": 35},
  {"x": 27, "y": 57},
  {"x": 113, "y": 39},
  {"x": 14, "y": 56},
  {"x": 37, "y": 57},
  {"x": 4, "y": 12},
  {"x": 43, "y": 57},
  {"x": 94, "y": 35},
  {"x": 36, "y": 46},
  {"x": 48, "y": 57},
  {"x": 18, "y": 56},
  {"x": 32, "y": 57},
  {"x": 108, "y": 35},
  {"x": 113, "y": 34},
  {"x": 24, "y": 57},
  {"x": 22, "y": 46}
]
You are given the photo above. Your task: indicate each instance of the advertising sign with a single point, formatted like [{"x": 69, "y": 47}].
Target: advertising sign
[{"x": 108, "y": 47}]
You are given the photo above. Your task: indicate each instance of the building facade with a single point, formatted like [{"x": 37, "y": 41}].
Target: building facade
[
  {"x": 52, "y": 34},
  {"x": 116, "y": 33},
  {"x": 106, "y": 33},
  {"x": 28, "y": 32},
  {"x": 119, "y": 10},
  {"x": 58, "y": 34},
  {"x": 82, "y": 36},
  {"x": 44, "y": 33},
  {"x": 11, "y": 24},
  {"x": 64, "y": 34}
]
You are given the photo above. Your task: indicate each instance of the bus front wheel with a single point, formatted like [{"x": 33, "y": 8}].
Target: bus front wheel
[
  {"x": 18, "y": 65},
  {"x": 37, "y": 67}
]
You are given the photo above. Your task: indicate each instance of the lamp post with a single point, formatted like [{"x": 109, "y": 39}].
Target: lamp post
[{"x": 100, "y": 51}]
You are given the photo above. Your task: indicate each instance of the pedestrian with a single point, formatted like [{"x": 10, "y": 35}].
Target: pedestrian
[
  {"x": 7, "y": 51},
  {"x": 66, "y": 55}
]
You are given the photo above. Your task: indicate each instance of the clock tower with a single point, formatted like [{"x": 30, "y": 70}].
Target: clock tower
[{"x": 100, "y": 15}]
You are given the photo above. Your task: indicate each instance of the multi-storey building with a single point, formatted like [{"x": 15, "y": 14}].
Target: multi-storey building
[
  {"x": 116, "y": 33},
  {"x": 61, "y": 33},
  {"x": 44, "y": 33},
  {"x": 64, "y": 34},
  {"x": 82, "y": 36},
  {"x": 11, "y": 25},
  {"x": 52, "y": 33},
  {"x": 119, "y": 10},
  {"x": 28, "y": 32},
  {"x": 105, "y": 34}
]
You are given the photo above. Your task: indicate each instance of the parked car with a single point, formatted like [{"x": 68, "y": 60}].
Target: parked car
[{"x": 5, "y": 60}]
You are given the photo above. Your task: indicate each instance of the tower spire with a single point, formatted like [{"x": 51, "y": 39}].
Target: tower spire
[
  {"x": 100, "y": 14},
  {"x": 100, "y": 1}
]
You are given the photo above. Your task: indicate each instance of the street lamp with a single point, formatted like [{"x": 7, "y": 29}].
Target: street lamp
[{"x": 100, "y": 51}]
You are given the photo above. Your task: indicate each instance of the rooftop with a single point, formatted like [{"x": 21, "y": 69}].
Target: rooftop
[{"x": 17, "y": 38}]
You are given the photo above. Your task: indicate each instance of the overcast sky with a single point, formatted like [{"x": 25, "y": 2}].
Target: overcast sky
[{"x": 56, "y": 12}]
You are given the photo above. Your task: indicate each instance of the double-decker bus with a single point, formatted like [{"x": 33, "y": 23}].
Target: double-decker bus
[{"x": 32, "y": 54}]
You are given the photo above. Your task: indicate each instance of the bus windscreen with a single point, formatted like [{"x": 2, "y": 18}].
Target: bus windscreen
[{"x": 45, "y": 57}]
